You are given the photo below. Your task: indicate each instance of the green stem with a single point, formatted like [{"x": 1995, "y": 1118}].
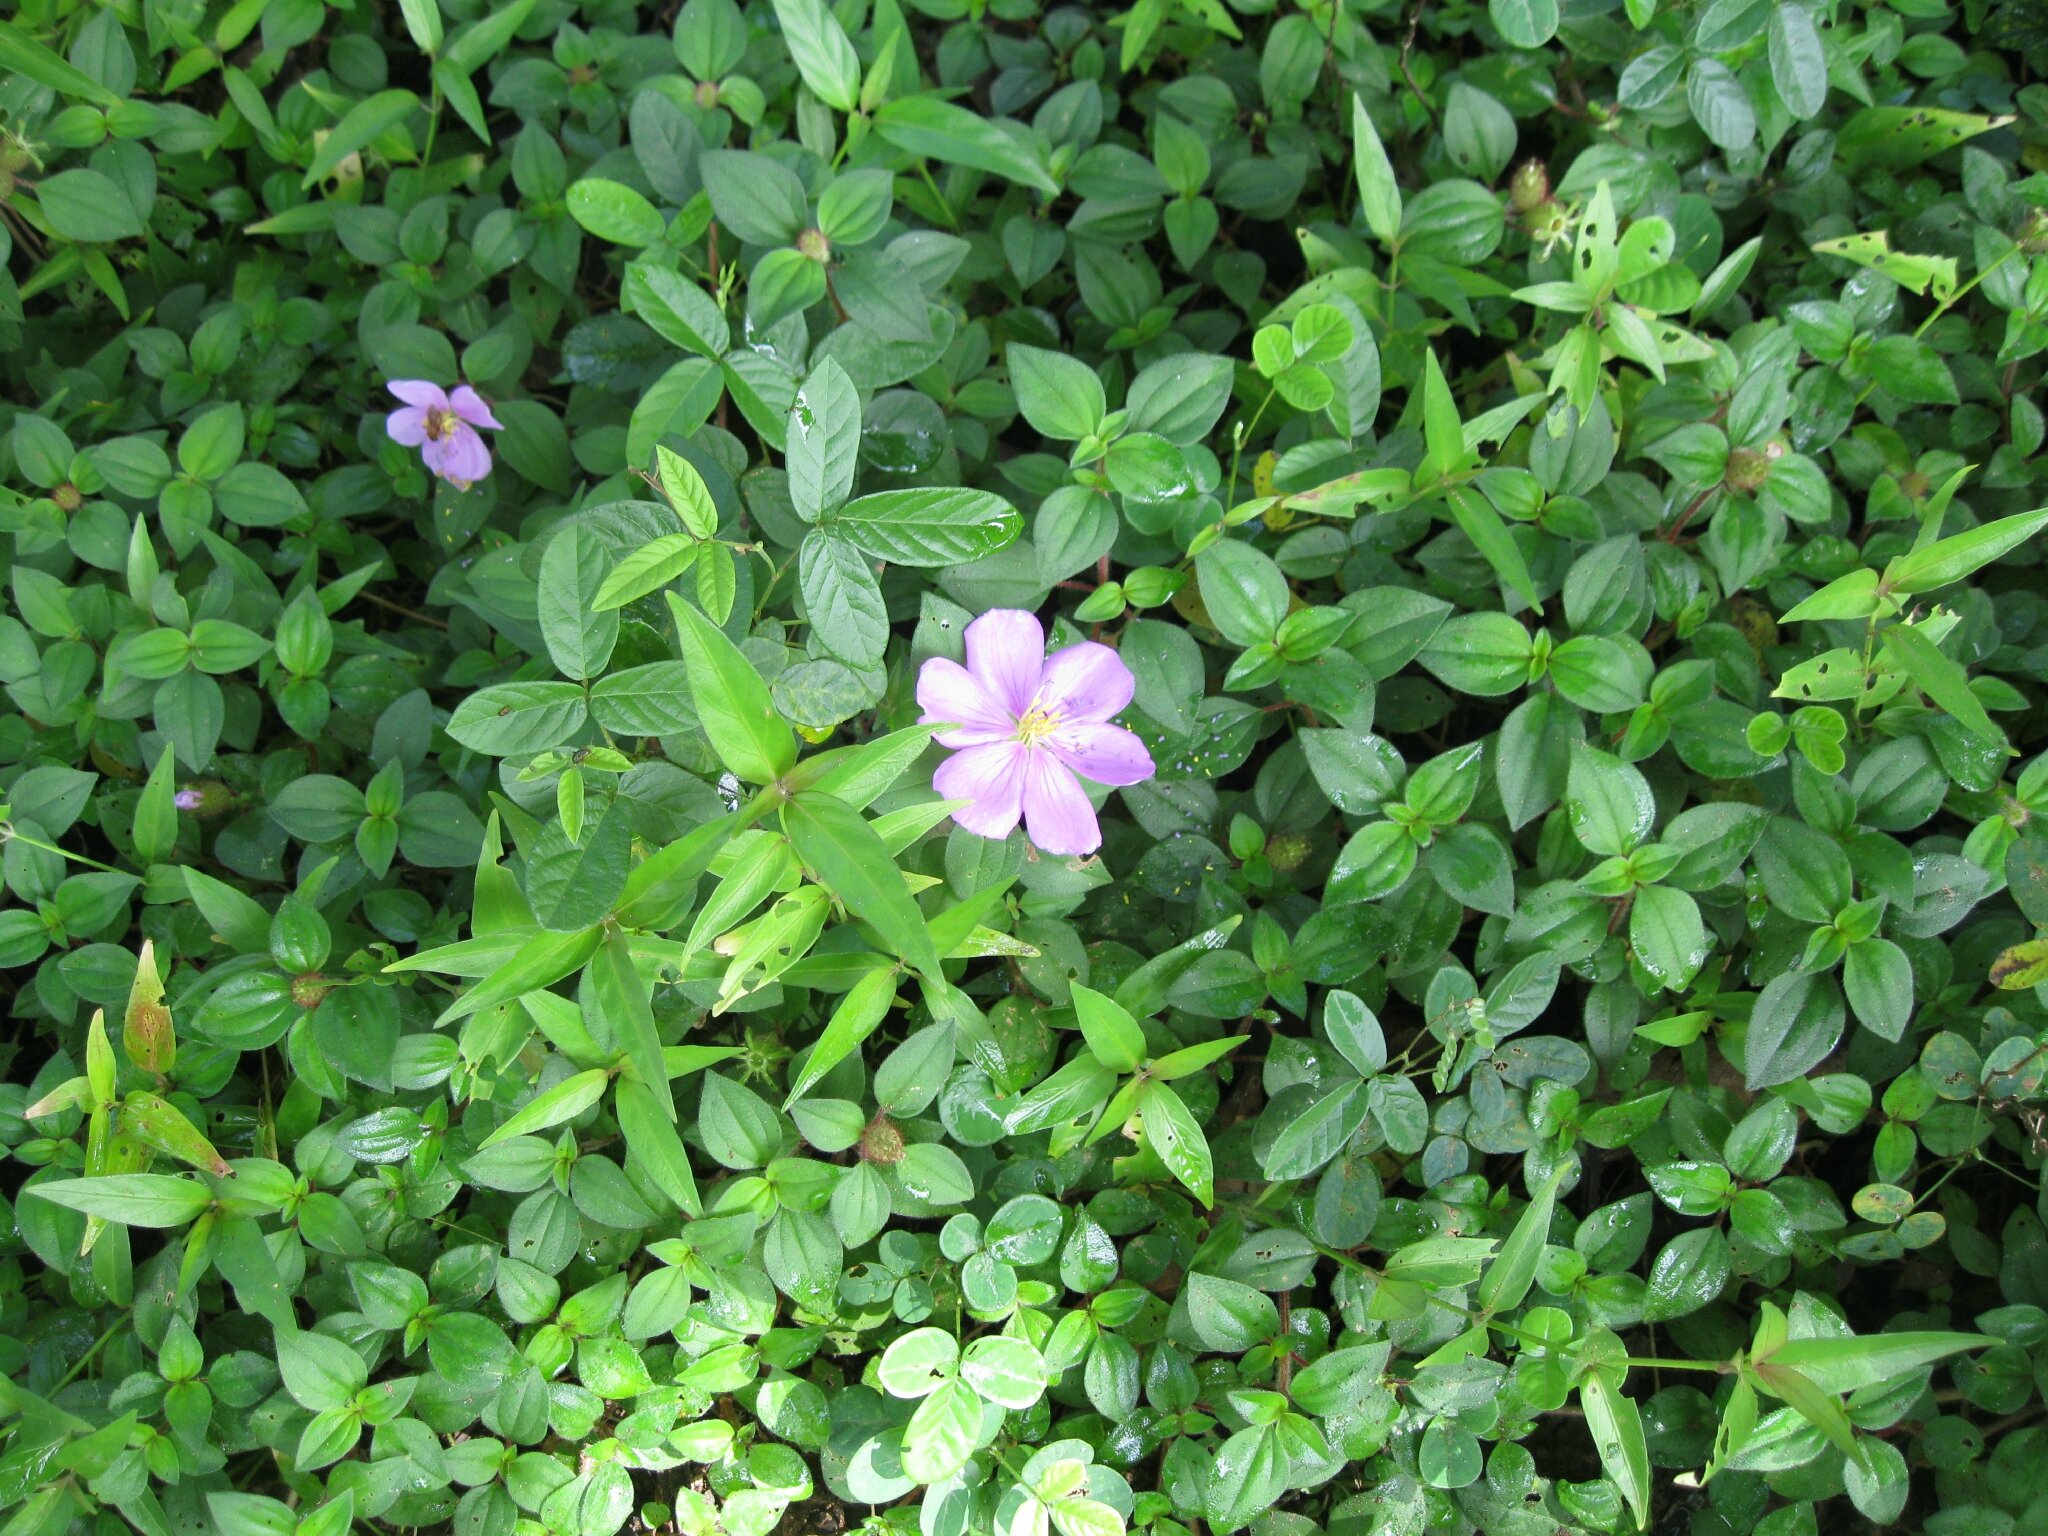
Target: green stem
[
  {"x": 946, "y": 208},
  {"x": 10, "y": 834},
  {"x": 776, "y": 573},
  {"x": 433, "y": 124},
  {"x": 1943, "y": 306},
  {"x": 1237, "y": 453},
  {"x": 86, "y": 1359}
]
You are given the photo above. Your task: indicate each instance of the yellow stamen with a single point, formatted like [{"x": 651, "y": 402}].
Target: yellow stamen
[
  {"x": 1037, "y": 723},
  {"x": 441, "y": 424}
]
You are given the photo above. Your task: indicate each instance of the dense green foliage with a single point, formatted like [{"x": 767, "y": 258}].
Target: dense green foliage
[{"x": 506, "y": 1037}]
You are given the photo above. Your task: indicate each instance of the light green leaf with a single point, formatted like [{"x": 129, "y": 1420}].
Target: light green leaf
[
  {"x": 1524, "y": 23},
  {"x": 1173, "y": 1136},
  {"x": 559, "y": 1105},
  {"x": 1617, "y": 1430},
  {"x": 1942, "y": 680},
  {"x": 1112, "y": 1034},
  {"x": 847, "y": 855},
  {"x": 1379, "y": 195},
  {"x": 1513, "y": 1270},
  {"x": 938, "y": 130},
  {"x": 132, "y": 1199},
  {"x": 732, "y": 701},
  {"x": 823, "y": 53},
  {"x": 366, "y": 121},
  {"x": 930, "y": 526}
]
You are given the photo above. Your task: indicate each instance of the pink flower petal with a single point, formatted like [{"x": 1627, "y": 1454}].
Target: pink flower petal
[
  {"x": 1085, "y": 682},
  {"x": 464, "y": 458},
  {"x": 1057, "y": 815},
  {"x": 437, "y": 452},
  {"x": 407, "y": 426},
  {"x": 1108, "y": 754},
  {"x": 951, "y": 695},
  {"x": 991, "y": 779},
  {"x": 1006, "y": 650},
  {"x": 419, "y": 392},
  {"x": 470, "y": 406}
]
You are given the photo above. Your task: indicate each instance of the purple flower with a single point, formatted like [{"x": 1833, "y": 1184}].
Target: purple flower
[
  {"x": 1023, "y": 724},
  {"x": 443, "y": 427},
  {"x": 189, "y": 799}
]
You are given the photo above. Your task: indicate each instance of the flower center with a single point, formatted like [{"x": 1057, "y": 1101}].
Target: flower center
[
  {"x": 440, "y": 424},
  {"x": 1037, "y": 723}
]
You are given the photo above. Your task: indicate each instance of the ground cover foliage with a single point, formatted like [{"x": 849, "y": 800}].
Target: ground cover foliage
[{"x": 504, "y": 1034}]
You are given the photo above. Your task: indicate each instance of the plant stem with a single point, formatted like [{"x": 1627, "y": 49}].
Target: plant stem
[
  {"x": 86, "y": 1359},
  {"x": 9, "y": 833},
  {"x": 1237, "y": 453}
]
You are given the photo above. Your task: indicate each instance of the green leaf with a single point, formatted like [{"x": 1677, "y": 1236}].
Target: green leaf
[
  {"x": 367, "y": 120},
  {"x": 864, "y": 1006},
  {"x": 1318, "y": 1133},
  {"x": 1942, "y": 680},
  {"x": 1355, "y": 1031},
  {"x": 677, "y": 310},
  {"x": 648, "y": 569},
  {"x": 540, "y": 961},
  {"x": 1842, "y": 1365},
  {"x": 614, "y": 212},
  {"x": 518, "y": 717},
  {"x": 930, "y": 526},
  {"x": 1962, "y": 554},
  {"x": 1524, "y": 23},
  {"x": 156, "y": 812},
  {"x": 320, "y": 1372},
  {"x": 22, "y": 55},
  {"x": 732, "y": 701},
  {"x": 842, "y": 599},
  {"x": 824, "y": 441},
  {"x": 1173, "y": 1136},
  {"x": 1609, "y": 801},
  {"x": 487, "y": 38},
  {"x": 848, "y": 857},
  {"x": 1059, "y": 394},
  {"x": 1490, "y": 536},
  {"x": 645, "y": 1117},
  {"x": 1008, "y": 1372},
  {"x": 1669, "y": 940},
  {"x": 1796, "y": 1021},
  {"x": 1112, "y": 1034},
  {"x": 1443, "y": 432},
  {"x": 620, "y": 996},
  {"x": 717, "y": 582},
  {"x": 938, "y": 130},
  {"x": 1379, "y": 195},
  {"x": 1248, "y": 1476},
  {"x": 942, "y": 1433},
  {"x": 132, "y": 1199},
  {"x": 824, "y": 55},
  {"x": 579, "y": 630},
  {"x": 85, "y": 205},
  {"x": 1513, "y": 1270},
  {"x": 560, "y": 1104},
  {"x": 1617, "y": 1430},
  {"x": 739, "y": 1128},
  {"x": 917, "y": 1363},
  {"x": 1825, "y": 1413},
  {"x": 1190, "y": 1059},
  {"x": 1243, "y": 590},
  {"x": 757, "y": 198},
  {"x": 1898, "y": 138}
]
